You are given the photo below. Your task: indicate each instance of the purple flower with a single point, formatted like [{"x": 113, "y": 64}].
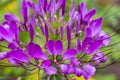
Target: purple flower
[
  {"x": 70, "y": 53},
  {"x": 62, "y": 42},
  {"x": 50, "y": 70},
  {"x": 68, "y": 36},
  {"x": 99, "y": 58},
  {"x": 35, "y": 51},
  {"x": 88, "y": 71},
  {"x": 104, "y": 37},
  {"x": 78, "y": 72},
  {"x": 3, "y": 55},
  {"x": 74, "y": 62},
  {"x": 54, "y": 47},
  {"x": 45, "y": 64},
  {"x": 85, "y": 15},
  {"x": 94, "y": 27},
  {"x": 10, "y": 32},
  {"x": 65, "y": 68},
  {"x": 78, "y": 45},
  {"x": 18, "y": 56},
  {"x": 11, "y": 17},
  {"x": 24, "y": 11}
]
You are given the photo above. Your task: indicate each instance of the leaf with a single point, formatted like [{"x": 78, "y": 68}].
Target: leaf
[{"x": 56, "y": 77}]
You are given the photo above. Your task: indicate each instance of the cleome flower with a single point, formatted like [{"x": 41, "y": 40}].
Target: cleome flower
[{"x": 70, "y": 46}]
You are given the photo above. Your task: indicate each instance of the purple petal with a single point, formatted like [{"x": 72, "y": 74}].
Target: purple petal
[
  {"x": 77, "y": 29},
  {"x": 15, "y": 30},
  {"x": 96, "y": 26},
  {"x": 86, "y": 42},
  {"x": 88, "y": 32},
  {"x": 18, "y": 55},
  {"x": 56, "y": 32},
  {"x": 44, "y": 56},
  {"x": 78, "y": 45},
  {"x": 72, "y": 10},
  {"x": 24, "y": 11},
  {"x": 63, "y": 7},
  {"x": 58, "y": 47},
  {"x": 35, "y": 51},
  {"x": 104, "y": 37},
  {"x": 78, "y": 72},
  {"x": 49, "y": 47},
  {"x": 12, "y": 45},
  {"x": 82, "y": 9},
  {"x": 69, "y": 36},
  {"x": 5, "y": 34},
  {"x": 89, "y": 14},
  {"x": 50, "y": 70},
  {"x": 88, "y": 71},
  {"x": 65, "y": 68},
  {"x": 72, "y": 70},
  {"x": 69, "y": 54},
  {"x": 58, "y": 4},
  {"x": 74, "y": 62},
  {"x": 61, "y": 32},
  {"x": 99, "y": 57},
  {"x": 41, "y": 7},
  {"x": 46, "y": 32},
  {"x": 94, "y": 47},
  {"x": 45, "y": 64},
  {"x": 3, "y": 55},
  {"x": 12, "y": 61},
  {"x": 51, "y": 7},
  {"x": 11, "y": 17},
  {"x": 33, "y": 6},
  {"x": 31, "y": 32},
  {"x": 42, "y": 29}
]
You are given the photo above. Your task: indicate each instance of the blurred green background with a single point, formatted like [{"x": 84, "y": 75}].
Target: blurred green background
[{"x": 108, "y": 9}]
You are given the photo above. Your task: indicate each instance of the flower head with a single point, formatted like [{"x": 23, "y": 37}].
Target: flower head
[{"x": 56, "y": 45}]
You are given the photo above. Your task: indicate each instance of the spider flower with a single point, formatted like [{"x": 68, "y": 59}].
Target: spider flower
[{"x": 62, "y": 46}]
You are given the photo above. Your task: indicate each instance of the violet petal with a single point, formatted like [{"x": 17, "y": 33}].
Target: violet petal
[
  {"x": 12, "y": 61},
  {"x": 3, "y": 55},
  {"x": 82, "y": 9},
  {"x": 18, "y": 55},
  {"x": 63, "y": 7},
  {"x": 89, "y": 14},
  {"x": 74, "y": 62},
  {"x": 46, "y": 32},
  {"x": 88, "y": 71},
  {"x": 24, "y": 11},
  {"x": 78, "y": 45},
  {"x": 58, "y": 47},
  {"x": 49, "y": 47},
  {"x": 64, "y": 68},
  {"x": 14, "y": 29},
  {"x": 94, "y": 47},
  {"x": 78, "y": 72},
  {"x": 35, "y": 51},
  {"x": 11, "y": 17},
  {"x": 50, "y": 70},
  {"x": 68, "y": 36},
  {"x": 45, "y": 64},
  {"x": 104, "y": 37},
  {"x": 61, "y": 32},
  {"x": 69, "y": 54},
  {"x": 5, "y": 34},
  {"x": 31, "y": 31}
]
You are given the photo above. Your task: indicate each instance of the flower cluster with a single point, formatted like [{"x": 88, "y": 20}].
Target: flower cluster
[{"x": 71, "y": 46}]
